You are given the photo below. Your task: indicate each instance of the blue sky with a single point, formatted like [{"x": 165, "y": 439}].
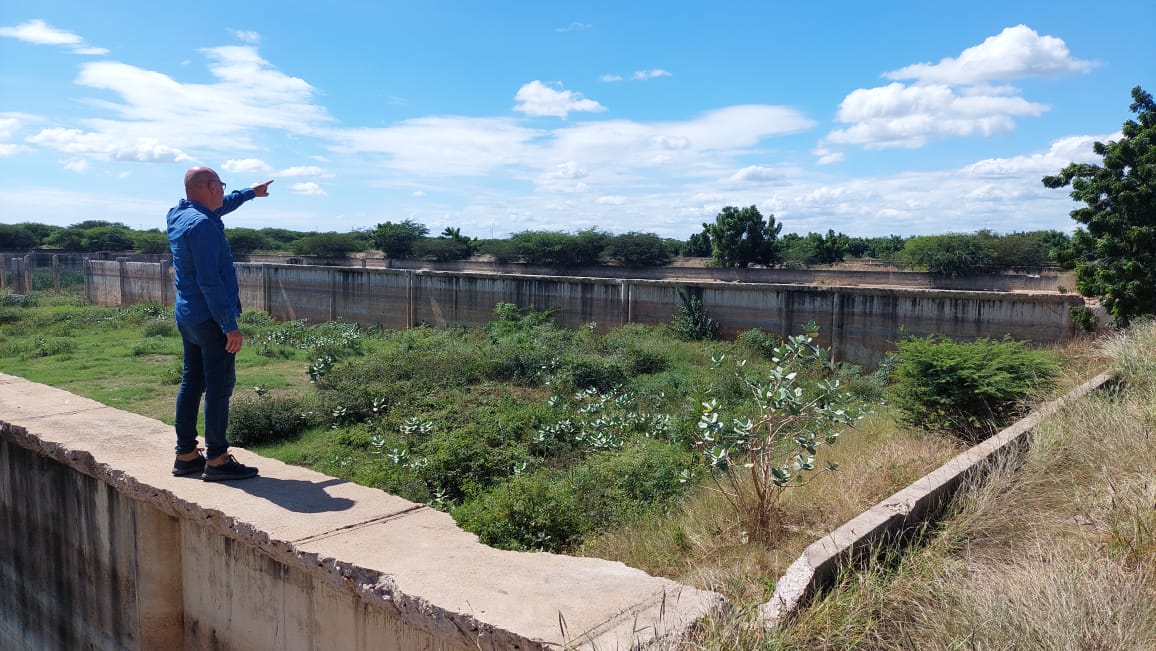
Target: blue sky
[{"x": 868, "y": 118}]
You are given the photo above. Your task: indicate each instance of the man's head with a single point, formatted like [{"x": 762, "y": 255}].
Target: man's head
[{"x": 203, "y": 186}]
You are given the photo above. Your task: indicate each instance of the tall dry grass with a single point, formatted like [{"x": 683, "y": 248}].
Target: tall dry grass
[{"x": 1053, "y": 550}]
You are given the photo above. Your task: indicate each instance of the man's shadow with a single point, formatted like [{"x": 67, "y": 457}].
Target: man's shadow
[{"x": 296, "y": 495}]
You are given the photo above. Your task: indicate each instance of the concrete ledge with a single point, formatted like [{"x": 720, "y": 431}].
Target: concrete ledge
[
  {"x": 404, "y": 568},
  {"x": 902, "y": 513}
]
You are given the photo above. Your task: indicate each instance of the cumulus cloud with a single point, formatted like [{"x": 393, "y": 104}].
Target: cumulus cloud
[
  {"x": 310, "y": 189},
  {"x": 908, "y": 116},
  {"x": 246, "y": 165},
  {"x": 1015, "y": 52},
  {"x": 825, "y": 156},
  {"x": 962, "y": 96},
  {"x": 38, "y": 32},
  {"x": 10, "y": 149},
  {"x": 1073, "y": 149},
  {"x": 539, "y": 99},
  {"x": 78, "y": 165},
  {"x": 611, "y": 78}
]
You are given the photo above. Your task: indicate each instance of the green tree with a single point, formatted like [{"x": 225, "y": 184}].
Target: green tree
[
  {"x": 108, "y": 238},
  {"x": 247, "y": 240},
  {"x": 953, "y": 254},
  {"x": 153, "y": 241},
  {"x": 1119, "y": 216},
  {"x": 635, "y": 249},
  {"x": 741, "y": 237},
  {"x": 698, "y": 245},
  {"x": 326, "y": 245},
  {"x": 15, "y": 237},
  {"x": 42, "y": 231},
  {"x": 398, "y": 240}
]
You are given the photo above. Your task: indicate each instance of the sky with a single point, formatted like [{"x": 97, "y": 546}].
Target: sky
[{"x": 906, "y": 118}]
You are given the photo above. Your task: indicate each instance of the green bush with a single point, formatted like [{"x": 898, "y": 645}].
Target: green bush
[
  {"x": 160, "y": 328},
  {"x": 552, "y": 511},
  {"x": 587, "y": 372},
  {"x": 692, "y": 323},
  {"x": 971, "y": 388},
  {"x": 266, "y": 419},
  {"x": 1084, "y": 318},
  {"x": 759, "y": 342}
]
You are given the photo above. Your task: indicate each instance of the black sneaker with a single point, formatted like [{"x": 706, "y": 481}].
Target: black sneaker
[
  {"x": 191, "y": 467},
  {"x": 228, "y": 471}
]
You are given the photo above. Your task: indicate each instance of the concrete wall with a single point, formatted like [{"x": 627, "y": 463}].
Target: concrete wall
[
  {"x": 859, "y": 323},
  {"x": 101, "y": 548}
]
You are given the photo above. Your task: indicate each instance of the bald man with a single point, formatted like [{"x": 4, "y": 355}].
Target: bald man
[{"x": 207, "y": 308}]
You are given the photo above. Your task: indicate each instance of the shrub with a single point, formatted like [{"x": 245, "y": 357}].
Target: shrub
[
  {"x": 692, "y": 323},
  {"x": 595, "y": 373},
  {"x": 971, "y": 388},
  {"x": 1084, "y": 318},
  {"x": 160, "y": 328},
  {"x": 758, "y": 342},
  {"x": 266, "y": 419}
]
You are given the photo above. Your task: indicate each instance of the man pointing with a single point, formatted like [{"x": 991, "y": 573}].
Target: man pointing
[{"x": 207, "y": 307}]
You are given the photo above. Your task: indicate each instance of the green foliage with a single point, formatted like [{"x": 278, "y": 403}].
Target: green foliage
[
  {"x": 1118, "y": 236},
  {"x": 152, "y": 242},
  {"x": 953, "y": 255},
  {"x": 17, "y": 237},
  {"x": 328, "y": 245},
  {"x": 398, "y": 240},
  {"x": 560, "y": 249},
  {"x": 243, "y": 241},
  {"x": 755, "y": 459},
  {"x": 741, "y": 237},
  {"x": 594, "y": 372},
  {"x": 266, "y": 419},
  {"x": 552, "y": 510},
  {"x": 880, "y": 248},
  {"x": 814, "y": 248},
  {"x": 970, "y": 388},
  {"x": 499, "y": 250},
  {"x": 1084, "y": 318},
  {"x": 692, "y": 323},
  {"x": 698, "y": 245},
  {"x": 635, "y": 249},
  {"x": 759, "y": 342}
]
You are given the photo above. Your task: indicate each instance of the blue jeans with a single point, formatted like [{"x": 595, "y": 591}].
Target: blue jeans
[{"x": 209, "y": 371}]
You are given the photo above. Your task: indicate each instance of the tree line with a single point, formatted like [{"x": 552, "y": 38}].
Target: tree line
[{"x": 738, "y": 237}]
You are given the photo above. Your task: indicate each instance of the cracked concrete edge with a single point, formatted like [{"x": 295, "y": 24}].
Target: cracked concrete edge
[
  {"x": 376, "y": 588},
  {"x": 901, "y": 512}
]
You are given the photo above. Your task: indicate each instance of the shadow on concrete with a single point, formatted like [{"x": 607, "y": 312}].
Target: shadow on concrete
[{"x": 295, "y": 495}]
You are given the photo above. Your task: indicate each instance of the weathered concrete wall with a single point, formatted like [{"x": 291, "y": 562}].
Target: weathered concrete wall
[
  {"x": 859, "y": 323},
  {"x": 101, "y": 548}
]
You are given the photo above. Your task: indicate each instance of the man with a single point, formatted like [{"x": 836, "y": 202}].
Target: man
[{"x": 207, "y": 308}]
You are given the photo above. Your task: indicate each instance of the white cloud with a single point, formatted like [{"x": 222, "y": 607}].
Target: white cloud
[
  {"x": 157, "y": 116},
  {"x": 908, "y": 116},
  {"x": 38, "y": 32},
  {"x": 141, "y": 149},
  {"x": 611, "y": 78},
  {"x": 573, "y": 27},
  {"x": 649, "y": 74},
  {"x": 418, "y": 194},
  {"x": 964, "y": 96},
  {"x": 247, "y": 36},
  {"x": 442, "y": 145},
  {"x": 246, "y": 165},
  {"x": 305, "y": 170},
  {"x": 311, "y": 189},
  {"x": 611, "y": 200},
  {"x": 828, "y": 156},
  {"x": 9, "y": 149},
  {"x": 536, "y": 98},
  {"x": 1013, "y": 53},
  {"x": 1076, "y": 149},
  {"x": 755, "y": 174},
  {"x": 78, "y": 165}
]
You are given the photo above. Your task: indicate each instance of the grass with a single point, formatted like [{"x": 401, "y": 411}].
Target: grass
[{"x": 1005, "y": 570}]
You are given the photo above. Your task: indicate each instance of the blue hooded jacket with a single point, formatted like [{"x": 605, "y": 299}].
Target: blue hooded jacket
[{"x": 206, "y": 281}]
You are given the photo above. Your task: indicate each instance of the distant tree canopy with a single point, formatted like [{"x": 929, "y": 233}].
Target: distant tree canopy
[
  {"x": 741, "y": 237},
  {"x": 153, "y": 242},
  {"x": 1115, "y": 246},
  {"x": 328, "y": 245},
  {"x": 635, "y": 249},
  {"x": 398, "y": 240},
  {"x": 17, "y": 237},
  {"x": 953, "y": 254},
  {"x": 450, "y": 245},
  {"x": 813, "y": 248},
  {"x": 243, "y": 241}
]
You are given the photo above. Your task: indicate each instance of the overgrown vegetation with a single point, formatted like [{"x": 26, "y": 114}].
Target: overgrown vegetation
[{"x": 969, "y": 388}]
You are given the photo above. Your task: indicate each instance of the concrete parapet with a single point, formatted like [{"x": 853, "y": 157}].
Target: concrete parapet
[
  {"x": 903, "y": 513},
  {"x": 101, "y": 548}
]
